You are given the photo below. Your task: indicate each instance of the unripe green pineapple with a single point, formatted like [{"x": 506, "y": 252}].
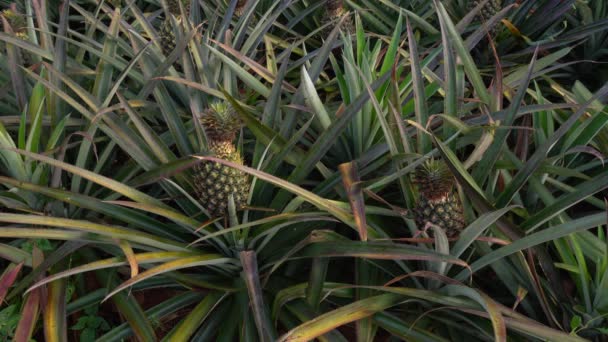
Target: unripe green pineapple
[
  {"x": 215, "y": 182},
  {"x": 167, "y": 37},
  {"x": 166, "y": 33},
  {"x": 437, "y": 204},
  {"x": 488, "y": 10},
  {"x": 333, "y": 12}
]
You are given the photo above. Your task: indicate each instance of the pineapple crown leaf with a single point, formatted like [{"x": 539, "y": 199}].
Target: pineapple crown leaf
[
  {"x": 433, "y": 166},
  {"x": 434, "y": 179},
  {"x": 221, "y": 121}
]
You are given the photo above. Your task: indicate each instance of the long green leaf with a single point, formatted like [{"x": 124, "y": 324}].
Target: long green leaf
[
  {"x": 469, "y": 65},
  {"x": 535, "y": 239},
  {"x": 54, "y": 314},
  {"x": 542, "y": 151},
  {"x": 500, "y": 136},
  {"x": 375, "y": 250},
  {"x": 251, "y": 274},
  {"x": 83, "y": 227},
  {"x": 109, "y": 183},
  {"x": 336, "y": 318},
  {"x": 188, "y": 326},
  {"x": 186, "y": 262}
]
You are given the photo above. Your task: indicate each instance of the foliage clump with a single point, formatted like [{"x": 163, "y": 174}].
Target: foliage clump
[{"x": 410, "y": 178}]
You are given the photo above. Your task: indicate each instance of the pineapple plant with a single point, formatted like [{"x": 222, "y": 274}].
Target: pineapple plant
[
  {"x": 437, "y": 203},
  {"x": 215, "y": 183},
  {"x": 334, "y": 10}
]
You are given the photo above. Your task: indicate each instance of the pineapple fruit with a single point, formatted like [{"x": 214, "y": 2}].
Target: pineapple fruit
[
  {"x": 166, "y": 33},
  {"x": 215, "y": 183},
  {"x": 488, "y": 10},
  {"x": 334, "y": 10},
  {"x": 167, "y": 37},
  {"x": 437, "y": 204}
]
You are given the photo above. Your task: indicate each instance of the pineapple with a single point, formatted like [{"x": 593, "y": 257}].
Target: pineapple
[
  {"x": 334, "y": 11},
  {"x": 438, "y": 204},
  {"x": 488, "y": 10},
  {"x": 215, "y": 182},
  {"x": 166, "y": 34},
  {"x": 167, "y": 37}
]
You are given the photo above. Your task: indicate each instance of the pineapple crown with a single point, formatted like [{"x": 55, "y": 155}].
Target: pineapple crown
[
  {"x": 221, "y": 122},
  {"x": 434, "y": 179}
]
